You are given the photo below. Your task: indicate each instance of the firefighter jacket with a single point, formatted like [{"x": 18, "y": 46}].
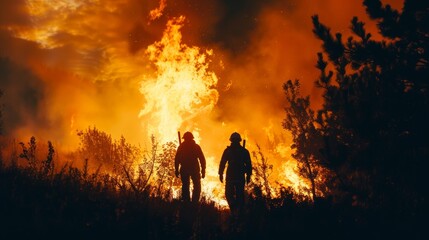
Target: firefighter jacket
[
  {"x": 189, "y": 157},
  {"x": 238, "y": 159}
]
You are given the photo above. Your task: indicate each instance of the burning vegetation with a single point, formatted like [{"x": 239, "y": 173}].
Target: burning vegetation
[{"x": 337, "y": 157}]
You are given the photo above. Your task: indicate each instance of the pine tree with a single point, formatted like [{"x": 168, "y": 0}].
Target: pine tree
[
  {"x": 373, "y": 123},
  {"x": 300, "y": 121}
]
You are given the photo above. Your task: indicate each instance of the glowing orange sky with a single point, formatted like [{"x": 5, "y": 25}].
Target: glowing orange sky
[{"x": 67, "y": 65}]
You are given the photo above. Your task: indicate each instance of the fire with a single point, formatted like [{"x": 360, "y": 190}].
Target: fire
[
  {"x": 183, "y": 87},
  {"x": 211, "y": 186},
  {"x": 180, "y": 91},
  {"x": 293, "y": 179},
  {"x": 157, "y": 13}
]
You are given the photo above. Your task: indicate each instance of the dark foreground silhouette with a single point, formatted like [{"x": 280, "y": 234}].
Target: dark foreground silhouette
[
  {"x": 68, "y": 207},
  {"x": 189, "y": 162},
  {"x": 238, "y": 173}
]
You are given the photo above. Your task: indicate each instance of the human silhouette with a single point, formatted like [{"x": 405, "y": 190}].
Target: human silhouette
[
  {"x": 238, "y": 172},
  {"x": 189, "y": 157}
]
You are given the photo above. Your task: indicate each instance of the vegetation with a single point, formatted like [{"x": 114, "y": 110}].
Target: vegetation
[
  {"x": 43, "y": 201},
  {"x": 371, "y": 131},
  {"x": 365, "y": 152},
  {"x": 77, "y": 202}
]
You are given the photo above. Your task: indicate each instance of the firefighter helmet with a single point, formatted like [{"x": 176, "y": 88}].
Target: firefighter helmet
[
  {"x": 188, "y": 136},
  {"x": 235, "y": 137}
]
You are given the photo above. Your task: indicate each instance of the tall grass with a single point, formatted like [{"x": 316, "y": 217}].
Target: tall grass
[{"x": 42, "y": 197}]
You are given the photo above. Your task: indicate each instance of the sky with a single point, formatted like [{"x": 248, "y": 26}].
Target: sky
[{"x": 154, "y": 67}]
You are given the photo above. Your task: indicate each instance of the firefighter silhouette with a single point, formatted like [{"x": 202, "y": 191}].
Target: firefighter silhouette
[
  {"x": 190, "y": 163},
  {"x": 238, "y": 172}
]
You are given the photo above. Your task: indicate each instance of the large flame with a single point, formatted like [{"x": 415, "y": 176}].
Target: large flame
[
  {"x": 183, "y": 87},
  {"x": 82, "y": 42}
]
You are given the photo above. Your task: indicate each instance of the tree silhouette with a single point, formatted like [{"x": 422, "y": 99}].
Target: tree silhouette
[
  {"x": 261, "y": 171},
  {"x": 166, "y": 179},
  {"x": 48, "y": 163},
  {"x": 300, "y": 120},
  {"x": 373, "y": 123},
  {"x": 29, "y": 153},
  {"x": 96, "y": 146}
]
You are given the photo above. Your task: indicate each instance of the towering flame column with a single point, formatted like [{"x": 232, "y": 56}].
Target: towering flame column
[{"x": 183, "y": 87}]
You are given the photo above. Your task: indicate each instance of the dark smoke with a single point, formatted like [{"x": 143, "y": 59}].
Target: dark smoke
[{"x": 23, "y": 94}]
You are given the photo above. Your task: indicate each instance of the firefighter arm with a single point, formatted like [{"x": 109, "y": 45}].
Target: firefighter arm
[{"x": 222, "y": 164}]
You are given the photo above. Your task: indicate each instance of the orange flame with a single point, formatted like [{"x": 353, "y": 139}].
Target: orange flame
[
  {"x": 157, "y": 12},
  {"x": 183, "y": 87},
  {"x": 181, "y": 90}
]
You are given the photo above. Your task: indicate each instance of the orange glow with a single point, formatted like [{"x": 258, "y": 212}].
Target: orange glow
[
  {"x": 177, "y": 76},
  {"x": 157, "y": 12},
  {"x": 183, "y": 87}
]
